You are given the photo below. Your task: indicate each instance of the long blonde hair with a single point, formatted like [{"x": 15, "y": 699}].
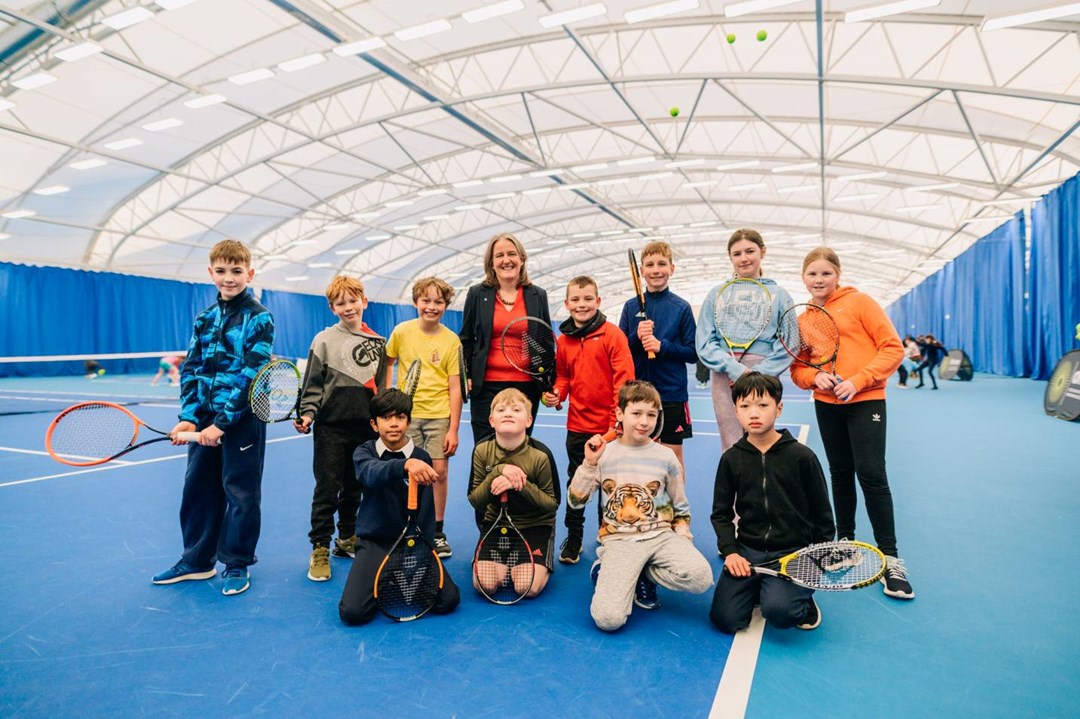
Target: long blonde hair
[
  {"x": 821, "y": 253},
  {"x": 490, "y": 280}
]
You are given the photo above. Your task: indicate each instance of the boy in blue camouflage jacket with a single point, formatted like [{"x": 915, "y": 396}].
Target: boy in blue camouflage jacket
[{"x": 219, "y": 511}]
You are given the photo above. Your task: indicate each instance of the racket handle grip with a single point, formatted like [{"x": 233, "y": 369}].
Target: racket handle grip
[
  {"x": 610, "y": 435},
  {"x": 188, "y": 436},
  {"x": 652, "y": 355}
]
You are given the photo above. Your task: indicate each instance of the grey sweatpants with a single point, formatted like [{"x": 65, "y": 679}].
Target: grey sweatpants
[{"x": 671, "y": 559}]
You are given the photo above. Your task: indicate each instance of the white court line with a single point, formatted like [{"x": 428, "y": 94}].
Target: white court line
[
  {"x": 734, "y": 691},
  {"x": 88, "y": 393},
  {"x": 118, "y": 465},
  {"x": 46, "y": 454}
]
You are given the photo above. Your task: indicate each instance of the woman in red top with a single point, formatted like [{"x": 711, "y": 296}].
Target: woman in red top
[{"x": 851, "y": 411}]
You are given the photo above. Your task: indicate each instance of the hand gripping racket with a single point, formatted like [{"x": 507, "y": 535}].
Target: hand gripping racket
[
  {"x": 635, "y": 275},
  {"x": 528, "y": 344},
  {"x": 503, "y": 566},
  {"x": 275, "y": 392},
  {"x": 810, "y": 335},
  {"x": 829, "y": 566},
  {"x": 742, "y": 312},
  {"x": 411, "y": 576},
  {"x": 617, "y": 431},
  {"x": 91, "y": 433}
]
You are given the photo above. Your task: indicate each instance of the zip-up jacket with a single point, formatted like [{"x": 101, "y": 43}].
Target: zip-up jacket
[
  {"x": 477, "y": 319},
  {"x": 780, "y": 498},
  {"x": 591, "y": 364},
  {"x": 714, "y": 353},
  {"x": 384, "y": 486},
  {"x": 535, "y": 505},
  {"x": 230, "y": 342},
  {"x": 870, "y": 349},
  {"x": 340, "y": 378},
  {"x": 675, "y": 328}
]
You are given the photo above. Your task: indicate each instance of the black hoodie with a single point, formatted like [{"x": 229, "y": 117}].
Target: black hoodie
[{"x": 780, "y": 497}]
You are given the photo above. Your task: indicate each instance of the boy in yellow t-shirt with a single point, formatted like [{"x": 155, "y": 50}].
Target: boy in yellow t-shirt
[{"x": 436, "y": 414}]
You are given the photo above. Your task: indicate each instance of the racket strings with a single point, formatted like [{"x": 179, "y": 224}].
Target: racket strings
[
  {"x": 412, "y": 378},
  {"x": 93, "y": 431},
  {"x": 410, "y": 580},
  {"x": 274, "y": 392},
  {"x": 812, "y": 332},
  {"x": 838, "y": 567},
  {"x": 500, "y": 552},
  {"x": 532, "y": 350},
  {"x": 742, "y": 312}
]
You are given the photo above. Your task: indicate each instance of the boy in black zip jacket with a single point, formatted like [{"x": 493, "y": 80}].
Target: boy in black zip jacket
[
  {"x": 383, "y": 468},
  {"x": 776, "y": 487}
]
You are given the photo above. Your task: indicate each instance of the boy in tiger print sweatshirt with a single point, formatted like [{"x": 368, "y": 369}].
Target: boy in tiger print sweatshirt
[{"x": 645, "y": 537}]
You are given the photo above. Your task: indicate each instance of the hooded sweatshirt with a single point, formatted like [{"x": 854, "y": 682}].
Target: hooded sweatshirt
[
  {"x": 340, "y": 378},
  {"x": 714, "y": 353}
]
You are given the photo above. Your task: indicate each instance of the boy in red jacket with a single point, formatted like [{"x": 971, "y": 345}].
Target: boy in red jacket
[{"x": 591, "y": 363}]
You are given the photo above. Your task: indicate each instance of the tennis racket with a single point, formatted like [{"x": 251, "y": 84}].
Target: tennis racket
[
  {"x": 463, "y": 375},
  {"x": 411, "y": 576},
  {"x": 528, "y": 344},
  {"x": 829, "y": 566},
  {"x": 810, "y": 335},
  {"x": 617, "y": 431},
  {"x": 275, "y": 392},
  {"x": 91, "y": 433},
  {"x": 742, "y": 312},
  {"x": 412, "y": 378},
  {"x": 503, "y": 566},
  {"x": 635, "y": 275}
]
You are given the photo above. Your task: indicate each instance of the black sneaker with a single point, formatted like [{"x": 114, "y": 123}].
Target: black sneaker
[
  {"x": 442, "y": 547},
  {"x": 895, "y": 579},
  {"x": 570, "y": 551},
  {"x": 345, "y": 547},
  {"x": 812, "y": 619},
  {"x": 645, "y": 593}
]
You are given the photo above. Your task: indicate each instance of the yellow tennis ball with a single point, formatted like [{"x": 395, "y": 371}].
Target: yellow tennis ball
[
  {"x": 674, "y": 112},
  {"x": 731, "y": 38},
  {"x": 761, "y": 35}
]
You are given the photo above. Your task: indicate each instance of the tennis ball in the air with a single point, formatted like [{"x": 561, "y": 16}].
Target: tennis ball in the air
[
  {"x": 674, "y": 112},
  {"x": 761, "y": 35},
  {"x": 731, "y": 38}
]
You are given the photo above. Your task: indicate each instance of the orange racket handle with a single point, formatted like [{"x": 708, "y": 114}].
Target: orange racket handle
[{"x": 412, "y": 503}]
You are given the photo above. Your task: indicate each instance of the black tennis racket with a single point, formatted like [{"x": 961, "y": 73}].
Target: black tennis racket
[
  {"x": 411, "y": 381},
  {"x": 275, "y": 392},
  {"x": 503, "y": 567},
  {"x": 635, "y": 275},
  {"x": 810, "y": 335},
  {"x": 829, "y": 566},
  {"x": 528, "y": 344},
  {"x": 90, "y": 433},
  {"x": 411, "y": 576},
  {"x": 742, "y": 311},
  {"x": 463, "y": 375}
]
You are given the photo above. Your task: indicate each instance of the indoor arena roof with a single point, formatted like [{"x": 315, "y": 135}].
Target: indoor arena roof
[{"x": 393, "y": 138}]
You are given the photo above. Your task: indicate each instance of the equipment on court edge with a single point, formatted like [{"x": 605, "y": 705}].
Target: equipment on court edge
[
  {"x": 810, "y": 335},
  {"x": 91, "y": 433},
  {"x": 411, "y": 576},
  {"x": 829, "y": 566},
  {"x": 741, "y": 313},
  {"x": 528, "y": 343},
  {"x": 504, "y": 566},
  {"x": 635, "y": 275}
]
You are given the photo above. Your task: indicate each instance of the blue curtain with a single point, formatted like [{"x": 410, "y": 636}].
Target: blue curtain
[
  {"x": 53, "y": 311},
  {"x": 1054, "y": 278},
  {"x": 975, "y": 303}
]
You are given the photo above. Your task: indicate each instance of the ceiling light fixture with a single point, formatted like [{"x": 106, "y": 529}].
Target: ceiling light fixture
[
  {"x": 492, "y": 11},
  {"x": 565, "y": 18},
  {"x": 299, "y": 63},
  {"x": 636, "y": 161},
  {"x": 796, "y": 168},
  {"x": 204, "y": 101},
  {"x": 738, "y": 165},
  {"x": 246, "y": 78},
  {"x": 18, "y": 214},
  {"x": 165, "y": 124},
  {"x": 123, "y": 144},
  {"x": 1029, "y": 16},
  {"x": 418, "y": 31},
  {"x": 797, "y": 188},
  {"x": 894, "y": 7},
  {"x": 79, "y": 51},
  {"x": 6, "y": 105},
  {"x": 87, "y": 164},
  {"x": 861, "y": 176},
  {"x": 134, "y": 16},
  {"x": 752, "y": 6},
  {"x": 662, "y": 10},
  {"x": 52, "y": 190},
  {"x": 33, "y": 82},
  {"x": 355, "y": 48}
]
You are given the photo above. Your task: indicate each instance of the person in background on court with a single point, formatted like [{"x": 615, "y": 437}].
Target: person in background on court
[
  {"x": 220, "y": 513},
  {"x": 746, "y": 250},
  {"x": 592, "y": 361},
  {"x": 384, "y": 467},
  {"x": 509, "y": 462},
  {"x": 339, "y": 382},
  {"x": 776, "y": 488},
  {"x": 436, "y": 413},
  {"x": 170, "y": 366},
  {"x": 92, "y": 369},
  {"x": 851, "y": 411},
  {"x": 505, "y": 294},
  {"x": 912, "y": 357},
  {"x": 932, "y": 352},
  {"x": 645, "y": 539},
  {"x": 669, "y": 333}
]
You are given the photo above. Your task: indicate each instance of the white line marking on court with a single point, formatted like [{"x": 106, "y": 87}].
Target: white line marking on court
[
  {"x": 116, "y": 464},
  {"x": 733, "y": 694},
  {"x": 89, "y": 393},
  {"x": 46, "y": 454}
]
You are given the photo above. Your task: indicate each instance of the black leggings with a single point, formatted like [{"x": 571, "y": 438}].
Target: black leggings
[
  {"x": 929, "y": 366},
  {"x": 854, "y": 438}
]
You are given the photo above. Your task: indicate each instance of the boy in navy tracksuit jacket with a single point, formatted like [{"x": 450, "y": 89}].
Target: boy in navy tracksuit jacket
[
  {"x": 668, "y": 332},
  {"x": 220, "y": 514},
  {"x": 383, "y": 469}
]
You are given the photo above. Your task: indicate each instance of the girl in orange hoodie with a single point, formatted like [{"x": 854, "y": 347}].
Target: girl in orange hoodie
[{"x": 850, "y": 407}]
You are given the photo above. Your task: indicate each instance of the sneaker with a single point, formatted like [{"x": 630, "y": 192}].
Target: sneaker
[
  {"x": 570, "y": 550},
  {"x": 895, "y": 579},
  {"x": 812, "y": 618},
  {"x": 182, "y": 572},
  {"x": 594, "y": 572},
  {"x": 319, "y": 565},
  {"x": 442, "y": 547},
  {"x": 237, "y": 580},
  {"x": 840, "y": 559},
  {"x": 645, "y": 593},
  {"x": 345, "y": 547}
]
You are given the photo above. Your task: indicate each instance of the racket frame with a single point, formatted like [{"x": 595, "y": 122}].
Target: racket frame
[
  {"x": 796, "y": 354},
  {"x": 504, "y": 524},
  {"x": 268, "y": 368},
  {"x": 635, "y": 275},
  {"x": 867, "y": 551},
  {"x": 411, "y": 381},
  {"x": 132, "y": 445},
  {"x": 546, "y": 379},
  {"x": 409, "y": 536},
  {"x": 744, "y": 346}
]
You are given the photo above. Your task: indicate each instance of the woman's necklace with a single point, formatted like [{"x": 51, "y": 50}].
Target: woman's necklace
[{"x": 508, "y": 305}]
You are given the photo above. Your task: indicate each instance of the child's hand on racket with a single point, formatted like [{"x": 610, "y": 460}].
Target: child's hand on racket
[
  {"x": 650, "y": 344},
  {"x": 593, "y": 449},
  {"x": 180, "y": 427},
  {"x": 420, "y": 471},
  {"x": 825, "y": 381},
  {"x": 645, "y": 329},
  {"x": 501, "y": 484},
  {"x": 302, "y": 425},
  {"x": 515, "y": 475},
  {"x": 736, "y": 565},
  {"x": 845, "y": 390},
  {"x": 550, "y": 399},
  {"x": 211, "y": 436}
]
